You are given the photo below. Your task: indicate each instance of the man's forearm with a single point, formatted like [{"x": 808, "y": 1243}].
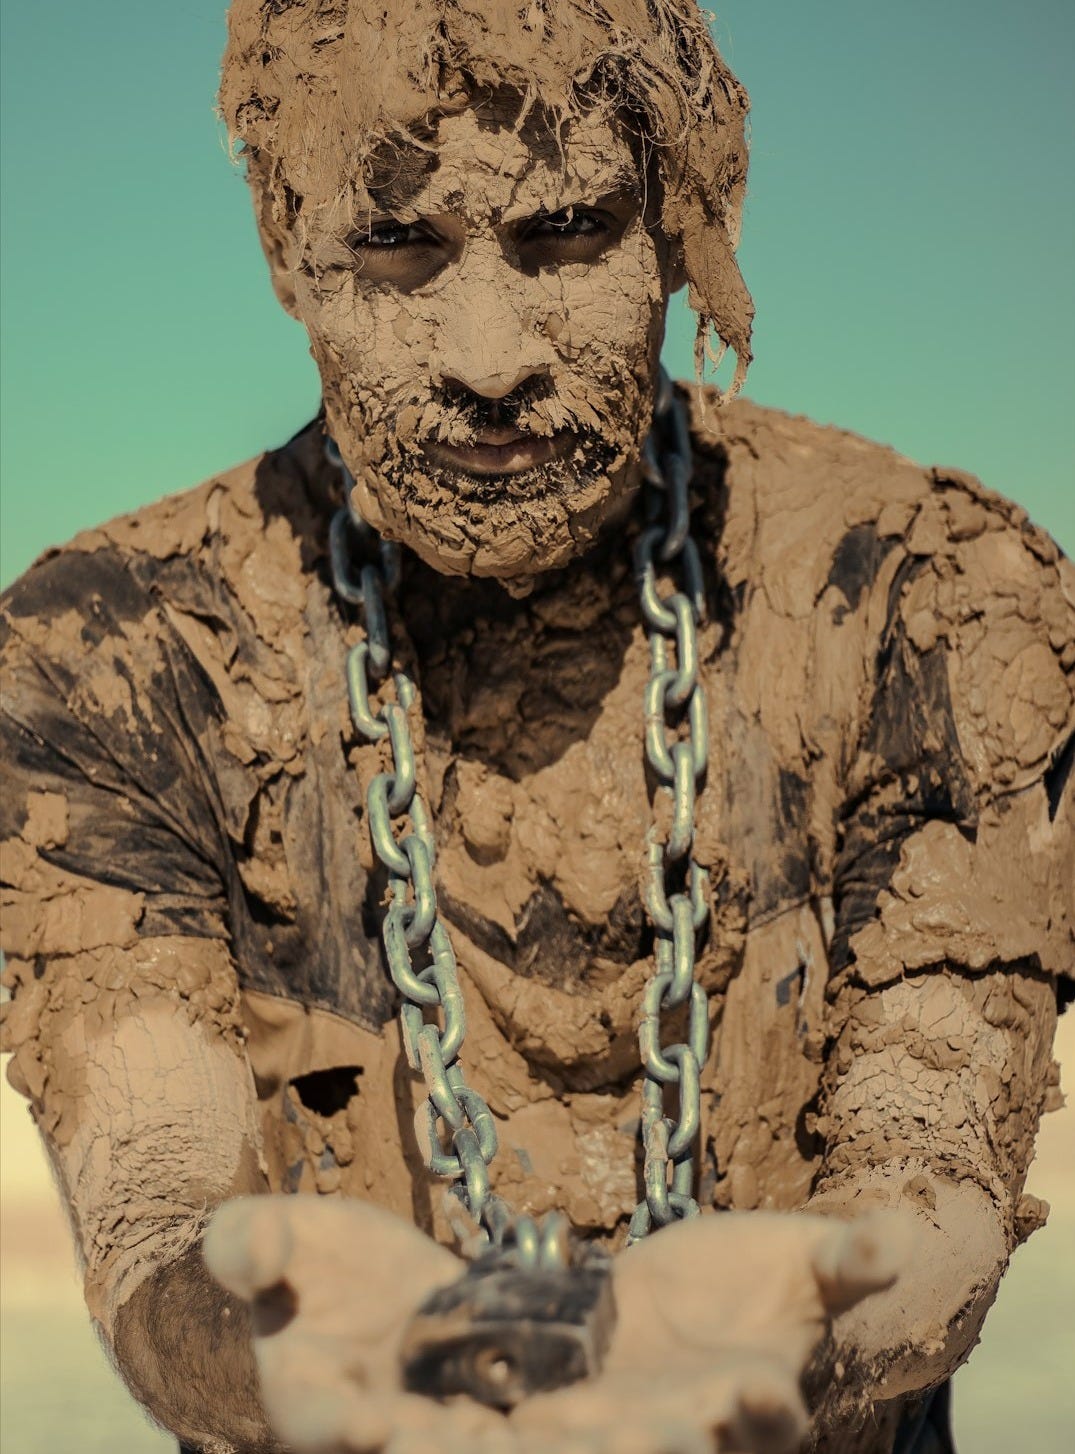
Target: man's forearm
[
  {"x": 150, "y": 1116},
  {"x": 183, "y": 1345},
  {"x": 916, "y": 1333},
  {"x": 930, "y": 1100}
]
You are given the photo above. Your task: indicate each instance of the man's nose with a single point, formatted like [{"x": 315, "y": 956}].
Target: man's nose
[
  {"x": 488, "y": 341},
  {"x": 493, "y": 383}
]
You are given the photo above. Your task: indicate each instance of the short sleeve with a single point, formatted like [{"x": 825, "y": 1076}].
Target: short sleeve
[
  {"x": 106, "y": 817},
  {"x": 957, "y": 843}
]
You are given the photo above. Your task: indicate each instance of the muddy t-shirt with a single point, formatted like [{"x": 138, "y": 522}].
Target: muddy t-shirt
[{"x": 889, "y": 660}]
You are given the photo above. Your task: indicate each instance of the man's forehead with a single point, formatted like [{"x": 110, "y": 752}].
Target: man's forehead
[{"x": 485, "y": 167}]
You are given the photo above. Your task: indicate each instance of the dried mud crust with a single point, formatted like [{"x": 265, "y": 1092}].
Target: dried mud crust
[
  {"x": 486, "y": 121},
  {"x": 888, "y": 659},
  {"x": 322, "y": 115}
]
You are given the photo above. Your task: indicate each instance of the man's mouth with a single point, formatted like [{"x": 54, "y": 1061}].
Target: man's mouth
[{"x": 501, "y": 451}]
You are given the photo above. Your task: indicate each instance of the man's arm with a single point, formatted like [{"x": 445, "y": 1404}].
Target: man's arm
[
  {"x": 183, "y": 1347},
  {"x": 935, "y": 1087},
  {"x": 954, "y": 921},
  {"x": 139, "y": 1082},
  {"x": 124, "y": 1021}
]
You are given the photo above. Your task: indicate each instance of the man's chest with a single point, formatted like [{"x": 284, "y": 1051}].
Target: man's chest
[
  {"x": 529, "y": 729},
  {"x": 529, "y": 732},
  {"x": 545, "y": 805},
  {"x": 542, "y": 835}
]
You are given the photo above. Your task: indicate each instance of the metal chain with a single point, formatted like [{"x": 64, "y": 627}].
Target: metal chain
[
  {"x": 417, "y": 947},
  {"x": 455, "y": 1126},
  {"x": 676, "y": 744}
]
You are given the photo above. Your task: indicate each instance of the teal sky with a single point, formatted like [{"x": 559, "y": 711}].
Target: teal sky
[{"x": 909, "y": 242}]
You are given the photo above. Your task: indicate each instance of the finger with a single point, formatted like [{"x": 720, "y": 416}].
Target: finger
[
  {"x": 322, "y": 1415},
  {"x": 623, "y": 1414},
  {"x": 769, "y": 1418},
  {"x": 861, "y": 1257},
  {"x": 248, "y": 1244},
  {"x": 669, "y": 1435},
  {"x": 633, "y": 1427}
]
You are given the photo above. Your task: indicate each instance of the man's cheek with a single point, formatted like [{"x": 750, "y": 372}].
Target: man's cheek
[
  {"x": 354, "y": 330},
  {"x": 608, "y": 334}
]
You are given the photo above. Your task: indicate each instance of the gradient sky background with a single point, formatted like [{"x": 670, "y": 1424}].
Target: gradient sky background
[{"x": 909, "y": 242}]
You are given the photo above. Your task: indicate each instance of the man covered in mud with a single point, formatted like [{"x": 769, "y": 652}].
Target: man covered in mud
[{"x": 724, "y": 756}]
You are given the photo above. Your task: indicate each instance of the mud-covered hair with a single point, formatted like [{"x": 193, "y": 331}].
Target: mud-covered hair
[{"x": 308, "y": 86}]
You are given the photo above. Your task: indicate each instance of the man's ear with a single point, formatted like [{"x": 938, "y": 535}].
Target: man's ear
[{"x": 277, "y": 242}]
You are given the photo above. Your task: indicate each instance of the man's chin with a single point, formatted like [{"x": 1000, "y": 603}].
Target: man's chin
[
  {"x": 513, "y": 547},
  {"x": 512, "y": 527}
]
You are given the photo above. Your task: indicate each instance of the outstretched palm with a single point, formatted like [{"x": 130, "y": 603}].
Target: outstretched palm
[{"x": 716, "y": 1320}]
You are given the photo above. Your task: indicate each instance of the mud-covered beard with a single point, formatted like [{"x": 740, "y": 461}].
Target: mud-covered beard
[
  {"x": 511, "y": 526},
  {"x": 590, "y": 460}
]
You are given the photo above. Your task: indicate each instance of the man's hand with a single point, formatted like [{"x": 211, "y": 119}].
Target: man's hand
[
  {"x": 716, "y": 1320},
  {"x": 333, "y": 1283}
]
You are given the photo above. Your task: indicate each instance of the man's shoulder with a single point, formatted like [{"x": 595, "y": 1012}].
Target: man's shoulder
[
  {"x": 821, "y": 528},
  {"x": 239, "y": 524},
  {"x": 180, "y": 524},
  {"x": 809, "y": 505}
]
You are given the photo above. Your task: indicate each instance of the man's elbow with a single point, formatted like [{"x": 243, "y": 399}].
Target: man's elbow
[{"x": 182, "y": 1345}]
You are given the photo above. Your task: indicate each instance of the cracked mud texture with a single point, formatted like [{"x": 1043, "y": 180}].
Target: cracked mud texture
[
  {"x": 888, "y": 662},
  {"x": 888, "y": 658}
]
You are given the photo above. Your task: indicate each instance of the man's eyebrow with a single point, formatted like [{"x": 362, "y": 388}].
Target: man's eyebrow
[
  {"x": 404, "y": 190},
  {"x": 620, "y": 186}
]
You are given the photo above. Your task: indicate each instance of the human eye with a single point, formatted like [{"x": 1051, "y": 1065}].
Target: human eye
[
  {"x": 391, "y": 235},
  {"x": 568, "y": 235},
  {"x": 566, "y": 224}
]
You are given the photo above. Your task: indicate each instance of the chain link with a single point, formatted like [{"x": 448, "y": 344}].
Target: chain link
[
  {"x": 455, "y": 1126},
  {"x": 677, "y": 751}
]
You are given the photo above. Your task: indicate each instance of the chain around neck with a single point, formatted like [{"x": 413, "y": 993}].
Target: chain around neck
[{"x": 456, "y": 1126}]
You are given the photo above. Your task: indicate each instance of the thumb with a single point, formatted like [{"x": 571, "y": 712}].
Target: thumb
[
  {"x": 860, "y": 1257},
  {"x": 248, "y": 1244}
]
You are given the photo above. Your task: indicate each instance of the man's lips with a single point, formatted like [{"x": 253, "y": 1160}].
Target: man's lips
[{"x": 501, "y": 452}]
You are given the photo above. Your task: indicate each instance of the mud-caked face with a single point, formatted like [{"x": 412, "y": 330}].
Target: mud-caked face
[{"x": 488, "y": 340}]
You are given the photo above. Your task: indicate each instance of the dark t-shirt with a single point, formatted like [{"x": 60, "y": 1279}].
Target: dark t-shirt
[{"x": 889, "y": 659}]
